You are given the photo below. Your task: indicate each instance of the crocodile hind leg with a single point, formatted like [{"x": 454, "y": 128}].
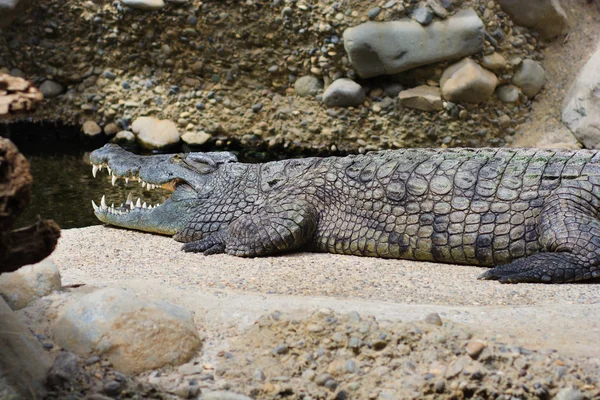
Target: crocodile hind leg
[
  {"x": 569, "y": 233},
  {"x": 273, "y": 228}
]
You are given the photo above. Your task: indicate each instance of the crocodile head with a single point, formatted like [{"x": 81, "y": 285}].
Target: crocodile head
[{"x": 189, "y": 175}]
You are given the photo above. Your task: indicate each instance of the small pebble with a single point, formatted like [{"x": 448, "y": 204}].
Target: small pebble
[
  {"x": 434, "y": 319},
  {"x": 374, "y": 12}
]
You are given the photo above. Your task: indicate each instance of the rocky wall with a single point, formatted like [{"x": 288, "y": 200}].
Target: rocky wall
[{"x": 260, "y": 72}]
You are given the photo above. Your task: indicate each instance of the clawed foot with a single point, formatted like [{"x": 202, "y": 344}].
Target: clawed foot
[
  {"x": 542, "y": 268},
  {"x": 508, "y": 274},
  {"x": 206, "y": 246}
]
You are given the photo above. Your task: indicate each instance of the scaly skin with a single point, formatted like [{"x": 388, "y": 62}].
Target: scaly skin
[{"x": 532, "y": 214}]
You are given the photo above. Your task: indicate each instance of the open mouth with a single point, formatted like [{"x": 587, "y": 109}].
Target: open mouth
[{"x": 131, "y": 204}]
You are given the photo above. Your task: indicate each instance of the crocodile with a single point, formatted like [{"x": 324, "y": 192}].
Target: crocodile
[{"x": 532, "y": 215}]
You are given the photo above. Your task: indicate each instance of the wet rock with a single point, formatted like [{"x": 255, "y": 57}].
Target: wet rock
[
  {"x": 111, "y": 129},
  {"x": 374, "y": 47},
  {"x": 91, "y": 128},
  {"x": 508, "y": 93},
  {"x": 196, "y": 138},
  {"x": 29, "y": 283},
  {"x": 144, "y": 4},
  {"x": 124, "y": 137},
  {"x": 308, "y": 86},
  {"x": 65, "y": 369},
  {"x": 495, "y": 62},
  {"x": 23, "y": 362},
  {"x": 581, "y": 108},
  {"x": 467, "y": 81},
  {"x": 530, "y": 77},
  {"x": 344, "y": 93},
  {"x": 51, "y": 89},
  {"x": 545, "y": 16},
  {"x": 425, "y": 98},
  {"x": 133, "y": 333},
  {"x": 153, "y": 133}
]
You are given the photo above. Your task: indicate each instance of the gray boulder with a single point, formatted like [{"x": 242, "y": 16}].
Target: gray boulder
[
  {"x": 545, "y": 16},
  {"x": 344, "y": 93},
  {"x": 133, "y": 333},
  {"x": 467, "y": 81},
  {"x": 308, "y": 86},
  {"x": 508, "y": 93},
  {"x": 51, "y": 89},
  {"x": 581, "y": 108},
  {"x": 23, "y": 362},
  {"x": 29, "y": 283},
  {"x": 529, "y": 77},
  {"x": 377, "y": 48}
]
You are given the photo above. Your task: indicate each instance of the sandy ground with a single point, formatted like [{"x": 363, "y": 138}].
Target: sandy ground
[{"x": 229, "y": 292}]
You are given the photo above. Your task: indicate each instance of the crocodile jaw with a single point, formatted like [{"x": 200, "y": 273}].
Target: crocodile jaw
[
  {"x": 161, "y": 219},
  {"x": 167, "y": 218}
]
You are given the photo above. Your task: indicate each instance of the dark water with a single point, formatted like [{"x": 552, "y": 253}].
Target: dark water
[{"x": 63, "y": 186}]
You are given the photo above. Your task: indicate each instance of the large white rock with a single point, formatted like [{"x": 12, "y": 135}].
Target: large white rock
[
  {"x": 377, "y": 48},
  {"x": 153, "y": 133},
  {"x": 23, "y": 362},
  {"x": 29, "y": 283},
  {"x": 545, "y": 16},
  {"x": 467, "y": 81},
  {"x": 133, "y": 333},
  {"x": 581, "y": 108}
]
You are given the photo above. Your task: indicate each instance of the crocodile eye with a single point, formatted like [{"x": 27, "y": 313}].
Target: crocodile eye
[{"x": 177, "y": 159}]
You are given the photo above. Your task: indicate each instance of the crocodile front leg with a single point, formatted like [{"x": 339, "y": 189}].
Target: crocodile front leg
[
  {"x": 273, "y": 228},
  {"x": 569, "y": 232}
]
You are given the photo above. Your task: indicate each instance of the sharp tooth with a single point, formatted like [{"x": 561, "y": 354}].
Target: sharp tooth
[
  {"x": 109, "y": 170},
  {"x": 143, "y": 184},
  {"x": 103, "y": 202},
  {"x": 126, "y": 180},
  {"x": 114, "y": 180},
  {"x": 138, "y": 203},
  {"x": 112, "y": 206},
  {"x": 96, "y": 208},
  {"x": 156, "y": 205},
  {"x": 99, "y": 167},
  {"x": 144, "y": 205},
  {"x": 129, "y": 198},
  {"x": 94, "y": 170},
  {"x": 153, "y": 186}
]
